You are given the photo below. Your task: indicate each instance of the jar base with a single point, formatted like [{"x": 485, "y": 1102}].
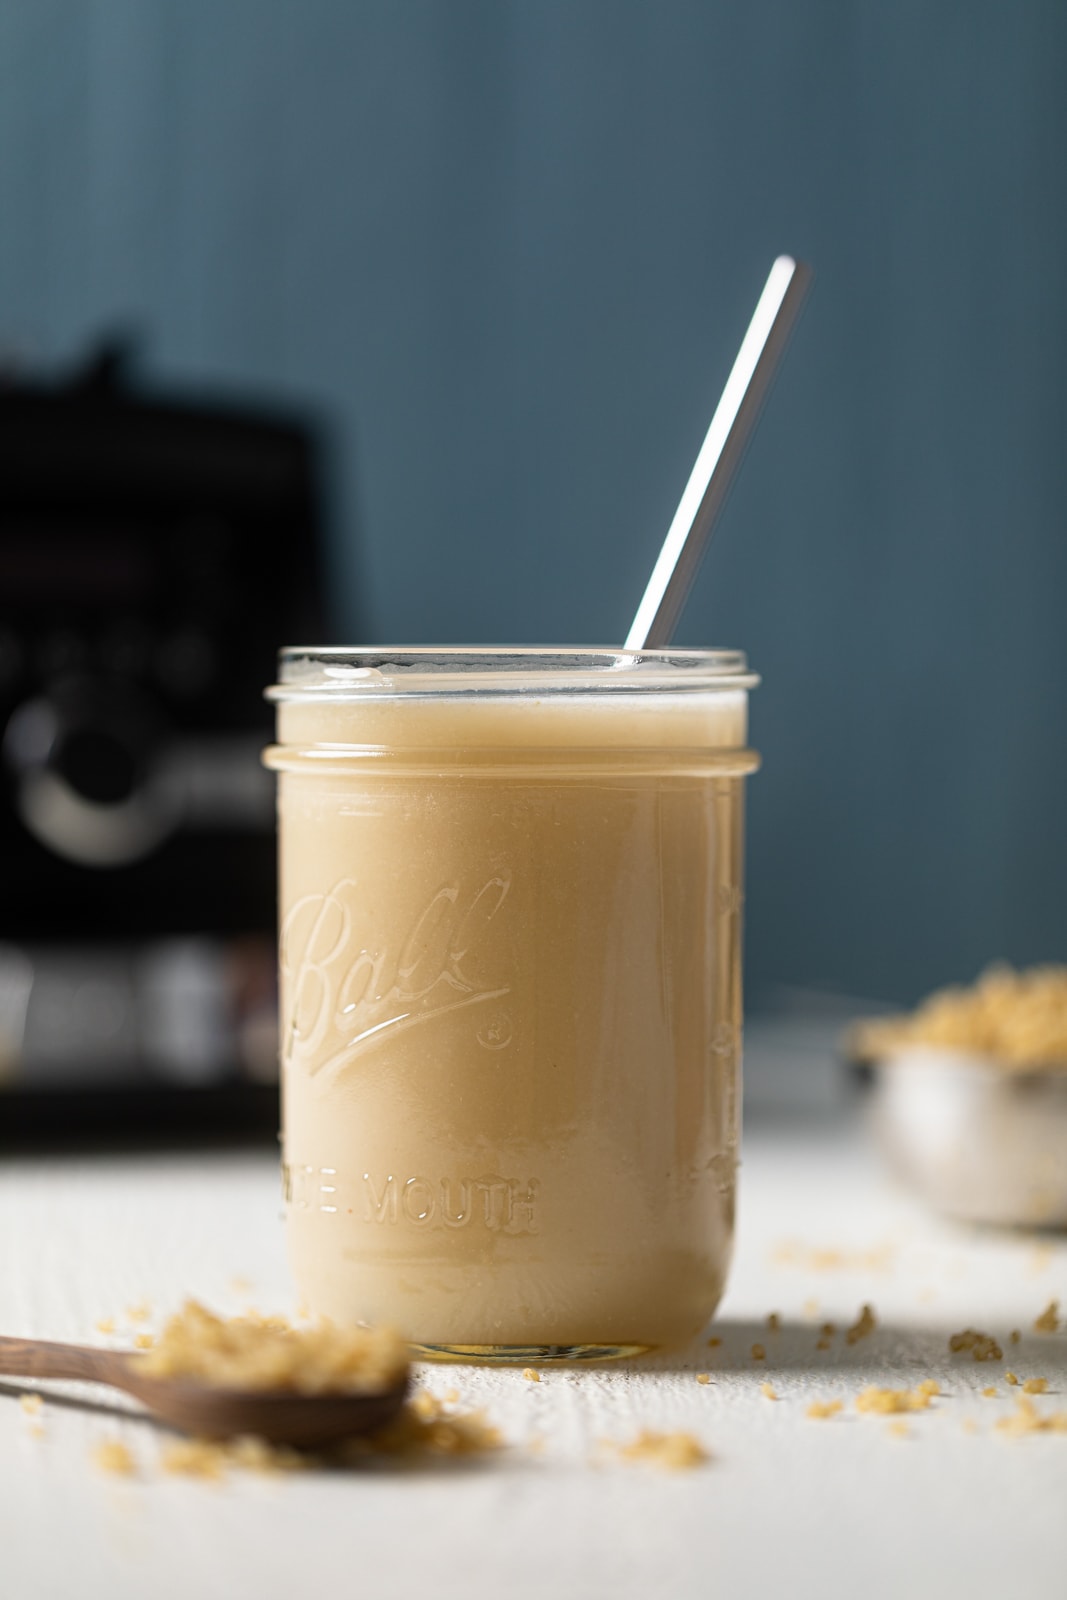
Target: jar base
[{"x": 526, "y": 1354}]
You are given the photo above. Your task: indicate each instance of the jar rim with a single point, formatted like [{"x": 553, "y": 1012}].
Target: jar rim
[{"x": 341, "y": 672}]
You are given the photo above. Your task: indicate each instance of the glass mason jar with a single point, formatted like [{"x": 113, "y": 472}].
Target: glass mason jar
[{"x": 510, "y": 917}]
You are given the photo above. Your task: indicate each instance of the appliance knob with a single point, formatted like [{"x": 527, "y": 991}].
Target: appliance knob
[{"x": 82, "y": 757}]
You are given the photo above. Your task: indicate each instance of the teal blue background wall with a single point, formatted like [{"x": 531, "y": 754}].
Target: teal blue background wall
[{"x": 505, "y": 249}]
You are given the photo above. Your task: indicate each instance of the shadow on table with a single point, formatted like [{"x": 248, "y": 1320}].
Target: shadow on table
[
  {"x": 898, "y": 1355},
  {"x": 11, "y": 1392},
  {"x": 910, "y": 1352},
  {"x": 418, "y": 1460}
]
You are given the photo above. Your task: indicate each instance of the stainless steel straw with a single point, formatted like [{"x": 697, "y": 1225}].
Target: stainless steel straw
[{"x": 720, "y": 455}]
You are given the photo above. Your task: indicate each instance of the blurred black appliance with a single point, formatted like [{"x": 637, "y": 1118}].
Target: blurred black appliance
[{"x": 153, "y": 556}]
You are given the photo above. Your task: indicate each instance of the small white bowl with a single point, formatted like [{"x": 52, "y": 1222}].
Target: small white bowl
[{"x": 978, "y": 1140}]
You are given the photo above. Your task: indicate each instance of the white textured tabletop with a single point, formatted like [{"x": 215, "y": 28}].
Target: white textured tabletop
[{"x": 947, "y": 1504}]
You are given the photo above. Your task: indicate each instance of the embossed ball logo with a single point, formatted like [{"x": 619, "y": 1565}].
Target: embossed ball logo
[{"x": 348, "y": 983}]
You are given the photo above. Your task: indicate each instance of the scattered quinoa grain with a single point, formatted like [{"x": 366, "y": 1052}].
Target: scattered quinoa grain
[
  {"x": 703, "y": 1377},
  {"x": 213, "y": 1458},
  {"x": 424, "y": 1427},
  {"x": 1010, "y": 1377},
  {"x": 774, "y": 1322},
  {"x": 823, "y": 1344},
  {"x": 447, "y": 1434},
  {"x": 531, "y": 1375},
  {"x": 675, "y": 1451},
  {"x": 1040, "y": 1259},
  {"x": 990, "y": 1393},
  {"x": 259, "y": 1455},
  {"x": 1049, "y": 1320},
  {"x": 864, "y": 1325},
  {"x": 767, "y": 1392},
  {"x": 31, "y": 1404},
  {"x": 713, "y": 1344},
  {"x": 144, "y": 1341},
  {"x": 105, "y": 1325},
  {"x": 139, "y": 1313},
  {"x": 1015, "y": 1336},
  {"x": 823, "y": 1409},
  {"x": 982, "y": 1346},
  {"x": 1027, "y": 1419},
  {"x": 113, "y": 1456},
  {"x": 792, "y": 1253},
  {"x": 828, "y": 1330},
  {"x": 885, "y": 1402},
  {"x": 898, "y": 1430},
  {"x": 195, "y": 1458},
  {"x": 758, "y": 1353},
  {"x": 1035, "y": 1386}
]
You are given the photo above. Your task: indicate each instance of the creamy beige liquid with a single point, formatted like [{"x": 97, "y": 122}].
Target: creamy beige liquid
[{"x": 511, "y": 1012}]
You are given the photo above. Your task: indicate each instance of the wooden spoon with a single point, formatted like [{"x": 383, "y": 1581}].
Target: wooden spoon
[{"x": 281, "y": 1416}]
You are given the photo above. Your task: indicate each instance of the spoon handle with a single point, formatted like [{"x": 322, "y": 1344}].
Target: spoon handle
[{"x": 39, "y": 1358}]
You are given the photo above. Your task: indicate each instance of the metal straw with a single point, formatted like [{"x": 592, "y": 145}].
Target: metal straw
[{"x": 720, "y": 455}]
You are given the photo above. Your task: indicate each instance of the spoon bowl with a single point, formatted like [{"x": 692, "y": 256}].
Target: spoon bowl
[{"x": 304, "y": 1421}]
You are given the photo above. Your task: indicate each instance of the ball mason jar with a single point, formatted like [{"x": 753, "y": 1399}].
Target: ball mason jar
[{"x": 510, "y": 919}]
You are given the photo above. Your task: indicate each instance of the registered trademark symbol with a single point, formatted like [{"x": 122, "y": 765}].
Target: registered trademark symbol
[{"x": 495, "y": 1032}]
